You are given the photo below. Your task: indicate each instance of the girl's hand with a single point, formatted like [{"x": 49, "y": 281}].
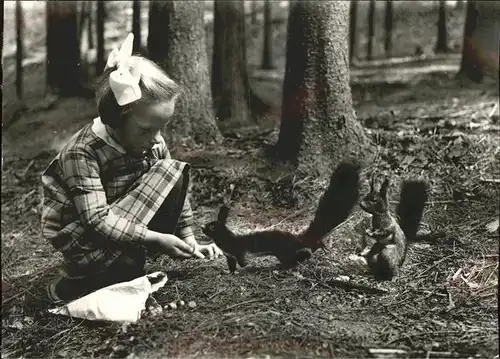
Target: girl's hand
[
  {"x": 210, "y": 250},
  {"x": 177, "y": 248},
  {"x": 157, "y": 151}
]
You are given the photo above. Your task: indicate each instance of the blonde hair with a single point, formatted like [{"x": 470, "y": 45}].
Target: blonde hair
[{"x": 155, "y": 84}]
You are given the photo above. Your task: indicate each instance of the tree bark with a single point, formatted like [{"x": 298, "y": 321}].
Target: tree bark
[
  {"x": 230, "y": 84},
  {"x": 318, "y": 125},
  {"x": 481, "y": 40},
  {"x": 63, "y": 53},
  {"x": 90, "y": 30},
  {"x": 371, "y": 30},
  {"x": 101, "y": 15},
  {"x": 388, "y": 27},
  {"x": 253, "y": 12},
  {"x": 353, "y": 12},
  {"x": 19, "y": 49},
  {"x": 81, "y": 21},
  {"x": 442, "y": 35},
  {"x": 267, "y": 53},
  {"x": 176, "y": 41},
  {"x": 136, "y": 24}
]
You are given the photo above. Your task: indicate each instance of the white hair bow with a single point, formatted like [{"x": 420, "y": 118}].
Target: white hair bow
[{"x": 124, "y": 81}]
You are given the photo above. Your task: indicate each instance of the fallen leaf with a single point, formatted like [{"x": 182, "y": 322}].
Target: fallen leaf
[
  {"x": 17, "y": 325},
  {"x": 493, "y": 225}
]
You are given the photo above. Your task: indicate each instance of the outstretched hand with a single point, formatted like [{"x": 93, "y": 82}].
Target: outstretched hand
[
  {"x": 210, "y": 251},
  {"x": 177, "y": 248}
]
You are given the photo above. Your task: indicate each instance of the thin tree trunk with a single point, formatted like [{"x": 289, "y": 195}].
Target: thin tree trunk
[
  {"x": 230, "y": 83},
  {"x": 267, "y": 53},
  {"x": 101, "y": 14},
  {"x": 176, "y": 41},
  {"x": 371, "y": 30},
  {"x": 388, "y": 27},
  {"x": 481, "y": 40},
  {"x": 20, "y": 50},
  {"x": 3, "y": 120},
  {"x": 90, "y": 31},
  {"x": 136, "y": 24},
  {"x": 253, "y": 12},
  {"x": 318, "y": 125},
  {"x": 352, "y": 29},
  {"x": 63, "y": 53},
  {"x": 81, "y": 21},
  {"x": 442, "y": 36}
]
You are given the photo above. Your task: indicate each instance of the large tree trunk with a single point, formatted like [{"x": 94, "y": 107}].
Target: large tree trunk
[
  {"x": 19, "y": 49},
  {"x": 388, "y": 27},
  {"x": 318, "y": 125},
  {"x": 267, "y": 53},
  {"x": 442, "y": 35},
  {"x": 371, "y": 30},
  {"x": 481, "y": 40},
  {"x": 352, "y": 29},
  {"x": 136, "y": 24},
  {"x": 63, "y": 53},
  {"x": 101, "y": 15},
  {"x": 176, "y": 41},
  {"x": 230, "y": 84}
]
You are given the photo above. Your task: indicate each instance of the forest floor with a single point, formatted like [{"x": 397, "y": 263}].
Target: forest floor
[{"x": 425, "y": 123}]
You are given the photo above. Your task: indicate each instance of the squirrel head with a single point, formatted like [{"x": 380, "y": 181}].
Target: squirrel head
[
  {"x": 212, "y": 229},
  {"x": 376, "y": 201}
]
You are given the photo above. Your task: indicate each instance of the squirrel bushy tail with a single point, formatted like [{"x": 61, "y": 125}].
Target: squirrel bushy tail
[
  {"x": 334, "y": 205},
  {"x": 411, "y": 205}
]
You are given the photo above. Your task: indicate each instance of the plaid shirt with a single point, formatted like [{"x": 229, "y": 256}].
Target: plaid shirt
[{"x": 96, "y": 197}]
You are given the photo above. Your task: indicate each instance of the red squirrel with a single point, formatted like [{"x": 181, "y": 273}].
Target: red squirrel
[
  {"x": 334, "y": 207},
  {"x": 391, "y": 234}
]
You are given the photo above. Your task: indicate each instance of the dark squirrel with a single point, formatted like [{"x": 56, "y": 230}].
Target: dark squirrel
[
  {"x": 392, "y": 234},
  {"x": 334, "y": 207}
]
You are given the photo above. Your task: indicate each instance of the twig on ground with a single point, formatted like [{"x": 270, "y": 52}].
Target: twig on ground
[
  {"x": 245, "y": 302},
  {"x": 420, "y": 275},
  {"x": 29, "y": 194},
  {"x": 27, "y": 289},
  {"x": 332, "y": 283},
  {"x": 25, "y": 172},
  {"x": 433, "y": 353},
  {"x": 493, "y": 110},
  {"x": 67, "y": 336},
  {"x": 383, "y": 351},
  {"x": 490, "y": 180},
  {"x": 414, "y": 335}
]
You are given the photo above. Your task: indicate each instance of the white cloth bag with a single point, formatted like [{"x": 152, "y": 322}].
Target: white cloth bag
[{"x": 121, "y": 302}]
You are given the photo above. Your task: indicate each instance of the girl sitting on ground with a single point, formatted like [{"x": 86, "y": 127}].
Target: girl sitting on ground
[{"x": 113, "y": 195}]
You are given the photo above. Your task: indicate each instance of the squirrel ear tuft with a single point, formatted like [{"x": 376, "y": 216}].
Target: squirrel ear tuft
[
  {"x": 385, "y": 186},
  {"x": 372, "y": 182},
  {"x": 223, "y": 214}
]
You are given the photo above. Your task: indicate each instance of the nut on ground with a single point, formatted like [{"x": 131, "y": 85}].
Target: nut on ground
[{"x": 192, "y": 304}]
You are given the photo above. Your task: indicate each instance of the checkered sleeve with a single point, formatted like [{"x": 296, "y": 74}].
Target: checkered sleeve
[
  {"x": 185, "y": 224},
  {"x": 82, "y": 176}
]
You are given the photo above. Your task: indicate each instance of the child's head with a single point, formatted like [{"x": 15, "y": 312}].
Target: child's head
[{"x": 139, "y": 121}]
